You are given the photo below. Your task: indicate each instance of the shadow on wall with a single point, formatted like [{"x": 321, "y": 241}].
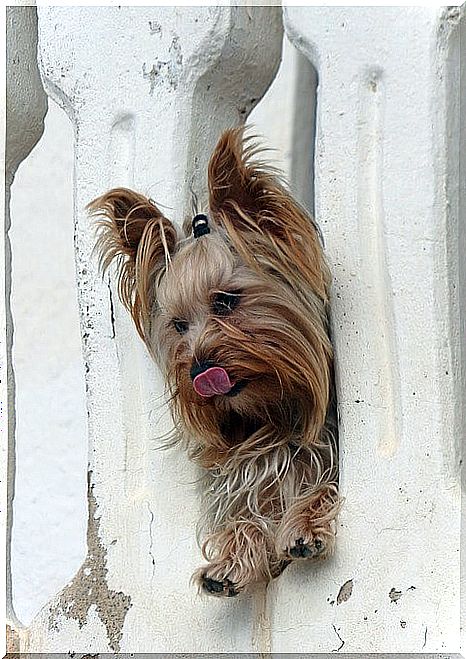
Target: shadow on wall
[
  {"x": 286, "y": 118},
  {"x": 304, "y": 131}
]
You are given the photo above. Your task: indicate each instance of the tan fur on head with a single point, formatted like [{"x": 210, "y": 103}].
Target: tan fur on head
[{"x": 267, "y": 443}]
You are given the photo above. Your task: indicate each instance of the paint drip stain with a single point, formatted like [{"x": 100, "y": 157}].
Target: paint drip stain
[
  {"x": 395, "y": 595},
  {"x": 345, "y": 592}
]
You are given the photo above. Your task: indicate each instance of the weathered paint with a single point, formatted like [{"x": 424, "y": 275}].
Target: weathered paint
[{"x": 90, "y": 588}]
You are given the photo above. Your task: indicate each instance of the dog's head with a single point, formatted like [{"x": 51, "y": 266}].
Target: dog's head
[{"x": 235, "y": 311}]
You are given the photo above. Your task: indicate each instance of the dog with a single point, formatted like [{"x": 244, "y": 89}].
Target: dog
[{"x": 235, "y": 312}]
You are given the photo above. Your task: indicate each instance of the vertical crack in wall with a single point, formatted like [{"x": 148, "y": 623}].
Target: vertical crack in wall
[
  {"x": 89, "y": 587},
  {"x": 342, "y": 642},
  {"x": 112, "y": 310},
  {"x": 151, "y": 521}
]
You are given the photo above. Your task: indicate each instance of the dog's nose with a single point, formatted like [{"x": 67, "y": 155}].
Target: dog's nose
[{"x": 199, "y": 368}]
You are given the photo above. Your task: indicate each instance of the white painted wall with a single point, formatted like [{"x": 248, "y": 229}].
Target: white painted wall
[
  {"x": 396, "y": 318},
  {"x": 387, "y": 201}
]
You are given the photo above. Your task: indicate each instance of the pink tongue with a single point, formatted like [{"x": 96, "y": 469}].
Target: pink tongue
[{"x": 211, "y": 382}]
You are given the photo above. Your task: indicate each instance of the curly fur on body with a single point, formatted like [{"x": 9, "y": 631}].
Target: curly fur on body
[{"x": 247, "y": 303}]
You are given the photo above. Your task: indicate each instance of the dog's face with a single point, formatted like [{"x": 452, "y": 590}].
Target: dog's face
[{"x": 236, "y": 318}]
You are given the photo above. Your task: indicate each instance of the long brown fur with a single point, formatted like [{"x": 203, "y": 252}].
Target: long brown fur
[
  {"x": 269, "y": 451},
  {"x": 134, "y": 232}
]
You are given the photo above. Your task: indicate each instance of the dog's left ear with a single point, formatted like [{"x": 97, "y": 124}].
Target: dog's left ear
[
  {"x": 265, "y": 224},
  {"x": 135, "y": 233}
]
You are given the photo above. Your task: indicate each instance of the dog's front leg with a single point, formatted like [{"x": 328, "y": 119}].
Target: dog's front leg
[{"x": 242, "y": 503}]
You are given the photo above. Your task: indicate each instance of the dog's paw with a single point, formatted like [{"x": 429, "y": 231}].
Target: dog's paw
[
  {"x": 307, "y": 530},
  {"x": 301, "y": 548},
  {"x": 210, "y": 581},
  {"x": 303, "y": 542},
  {"x": 224, "y": 588}
]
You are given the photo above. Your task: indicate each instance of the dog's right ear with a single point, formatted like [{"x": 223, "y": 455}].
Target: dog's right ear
[
  {"x": 250, "y": 200},
  {"x": 135, "y": 233}
]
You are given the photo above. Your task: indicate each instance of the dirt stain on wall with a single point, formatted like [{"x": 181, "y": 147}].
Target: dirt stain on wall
[
  {"x": 89, "y": 587},
  {"x": 345, "y": 592}
]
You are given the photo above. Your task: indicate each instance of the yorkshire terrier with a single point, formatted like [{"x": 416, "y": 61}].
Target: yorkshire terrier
[{"x": 235, "y": 312}]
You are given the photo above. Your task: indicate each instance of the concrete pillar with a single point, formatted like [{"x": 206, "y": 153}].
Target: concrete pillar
[
  {"x": 26, "y": 106},
  {"x": 387, "y": 202},
  {"x": 148, "y": 90}
]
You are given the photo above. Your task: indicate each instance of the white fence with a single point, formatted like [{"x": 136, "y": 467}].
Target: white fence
[{"x": 148, "y": 90}]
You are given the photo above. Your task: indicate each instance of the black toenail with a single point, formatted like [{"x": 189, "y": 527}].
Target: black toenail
[
  {"x": 300, "y": 550},
  {"x": 211, "y": 585}
]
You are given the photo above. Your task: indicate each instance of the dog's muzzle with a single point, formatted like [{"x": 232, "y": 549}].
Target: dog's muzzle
[{"x": 210, "y": 380}]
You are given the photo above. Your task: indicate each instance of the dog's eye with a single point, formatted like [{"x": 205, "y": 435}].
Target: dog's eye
[
  {"x": 181, "y": 326},
  {"x": 224, "y": 303}
]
